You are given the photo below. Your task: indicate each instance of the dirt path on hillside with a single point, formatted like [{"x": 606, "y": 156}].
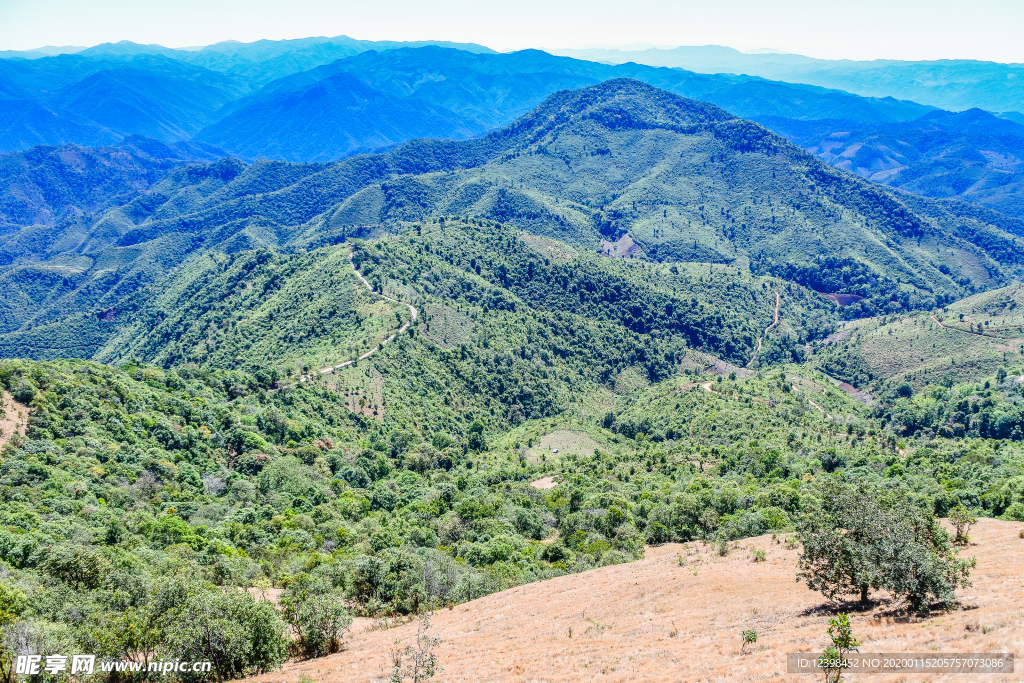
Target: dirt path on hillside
[
  {"x": 412, "y": 316},
  {"x": 766, "y": 330},
  {"x": 662, "y": 620},
  {"x": 957, "y": 329}
]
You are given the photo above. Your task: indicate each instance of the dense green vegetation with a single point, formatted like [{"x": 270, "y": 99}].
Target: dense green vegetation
[
  {"x": 130, "y": 478},
  {"x": 264, "y": 420},
  {"x": 685, "y": 180}
]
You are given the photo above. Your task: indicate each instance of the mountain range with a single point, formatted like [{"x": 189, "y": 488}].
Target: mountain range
[
  {"x": 325, "y": 99},
  {"x": 96, "y": 96},
  {"x": 952, "y": 84},
  {"x": 971, "y": 155},
  {"x": 404, "y": 379},
  {"x": 679, "y": 179}
]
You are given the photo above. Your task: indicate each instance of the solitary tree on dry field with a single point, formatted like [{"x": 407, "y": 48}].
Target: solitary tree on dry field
[
  {"x": 859, "y": 538},
  {"x": 962, "y": 521}
]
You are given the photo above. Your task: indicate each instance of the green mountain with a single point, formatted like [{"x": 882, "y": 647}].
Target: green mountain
[
  {"x": 620, "y": 162},
  {"x": 45, "y": 186},
  {"x": 402, "y": 381}
]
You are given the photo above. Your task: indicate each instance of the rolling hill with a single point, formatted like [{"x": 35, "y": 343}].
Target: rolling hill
[
  {"x": 951, "y": 84},
  {"x": 973, "y": 155},
  {"x": 665, "y": 619},
  {"x": 48, "y": 185},
  {"x": 685, "y": 180}
]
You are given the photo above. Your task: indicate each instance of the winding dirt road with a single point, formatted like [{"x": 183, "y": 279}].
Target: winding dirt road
[
  {"x": 412, "y": 316},
  {"x": 766, "y": 330}
]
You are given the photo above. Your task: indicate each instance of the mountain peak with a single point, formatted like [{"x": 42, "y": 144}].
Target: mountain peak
[{"x": 621, "y": 103}]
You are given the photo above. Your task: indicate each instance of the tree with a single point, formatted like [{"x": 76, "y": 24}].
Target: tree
[
  {"x": 318, "y": 618},
  {"x": 131, "y": 635},
  {"x": 228, "y": 628},
  {"x": 962, "y": 521},
  {"x": 860, "y": 538},
  {"x": 836, "y": 537}
]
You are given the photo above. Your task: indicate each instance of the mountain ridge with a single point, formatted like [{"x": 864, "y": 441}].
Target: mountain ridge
[{"x": 612, "y": 159}]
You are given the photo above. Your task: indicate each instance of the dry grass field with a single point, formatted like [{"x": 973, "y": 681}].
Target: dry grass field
[{"x": 659, "y": 620}]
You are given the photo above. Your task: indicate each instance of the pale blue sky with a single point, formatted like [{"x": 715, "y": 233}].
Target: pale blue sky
[{"x": 849, "y": 29}]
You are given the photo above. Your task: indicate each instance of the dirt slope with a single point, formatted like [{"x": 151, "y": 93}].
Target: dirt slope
[{"x": 655, "y": 620}]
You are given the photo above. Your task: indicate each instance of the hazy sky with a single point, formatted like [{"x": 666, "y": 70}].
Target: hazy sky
[{"x": 852, "y": 29}]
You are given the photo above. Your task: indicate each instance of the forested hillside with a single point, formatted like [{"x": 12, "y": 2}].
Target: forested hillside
[
  {"x": 402, "y": 381},
  {"x": 971, "y": 155},
  {"x": 684, "y": 180}
]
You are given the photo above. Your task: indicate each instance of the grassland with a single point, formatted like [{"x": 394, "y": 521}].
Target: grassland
[{"x": 968, "y": 340}]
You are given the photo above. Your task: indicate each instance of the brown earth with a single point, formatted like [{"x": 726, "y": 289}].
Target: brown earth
[
  {"x": 14, "y": 419},
  {"x": 843, "y": 299},
  {"x": 657, "y": 620},
  {"x": 624, "y": 247}
]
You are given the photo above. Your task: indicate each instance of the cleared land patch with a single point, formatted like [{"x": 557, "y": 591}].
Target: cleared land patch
[
  {"x": 567, "y": 442},
  {"x": 972, "y": 337},
  {"x": 14, "y": 420}
]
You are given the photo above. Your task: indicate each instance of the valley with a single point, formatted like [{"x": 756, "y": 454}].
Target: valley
[{"x": 590, "y": 387}]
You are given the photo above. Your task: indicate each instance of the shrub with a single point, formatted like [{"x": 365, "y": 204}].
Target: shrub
[
  {"x": 318, "y": 618},
  {"x": 228, "y": 628},
  {"x": 1014, "y": 513},
  {"x": 749, "y": 638},
  {"x": 24, "y": 392},
  {"x": 12, "y": 603},
  {"x": 416, "y": 663},
  {"x": 833, "y": 660}
]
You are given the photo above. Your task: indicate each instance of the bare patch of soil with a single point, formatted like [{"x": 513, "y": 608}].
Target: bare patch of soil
[
  {"x": 545, "y": 483},
  {"x": 722, "y": 368},
  {"x": 445, "y": 326},
  {"x": 624, "y": 247},
  {"x": 656, "y": 620},
  {"x": 556, "y": 251},
  {"x": 567, "y": 442},
  {"x": 366, "y": 395},
  {"x": 843, "y": 299},
  {"x": 835, "y": 337},
  {"x": 14, "y": 419}
]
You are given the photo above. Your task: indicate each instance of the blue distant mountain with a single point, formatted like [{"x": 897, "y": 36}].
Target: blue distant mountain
[
  {"x": 954, "y": 84},
  {"x": 972, "y": 155},
  {"x": 432, "y": 90},
  {"x": 324, "y": 99},
  {"x": 376, "y": 99}
]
